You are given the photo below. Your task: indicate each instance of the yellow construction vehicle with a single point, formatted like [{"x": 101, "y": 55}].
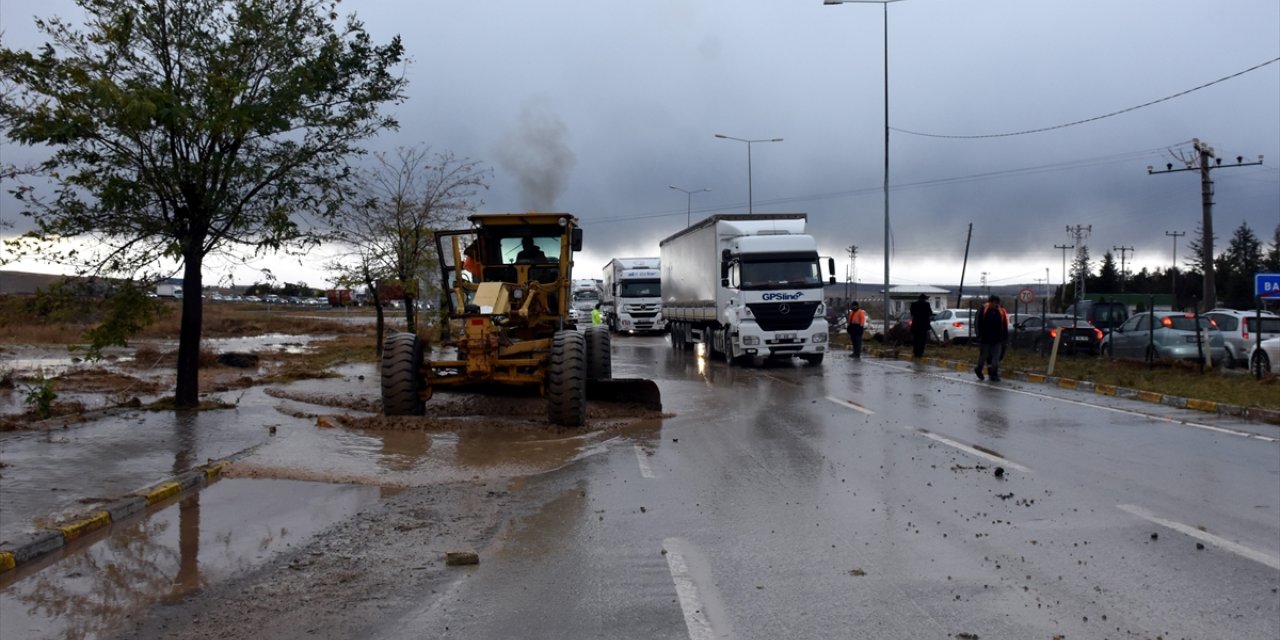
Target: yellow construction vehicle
[{"x": 508, "y": 280}]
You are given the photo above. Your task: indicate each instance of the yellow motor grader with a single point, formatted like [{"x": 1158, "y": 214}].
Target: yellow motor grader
[{"x": 508, "y": 280}]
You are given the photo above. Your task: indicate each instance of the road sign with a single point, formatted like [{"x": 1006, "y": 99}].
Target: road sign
[
  {"x": 1026, "y": 296},
  {"x": 1267, "y": 285}
]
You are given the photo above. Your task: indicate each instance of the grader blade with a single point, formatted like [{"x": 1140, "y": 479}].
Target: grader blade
[{"x": 638, "y": 391}]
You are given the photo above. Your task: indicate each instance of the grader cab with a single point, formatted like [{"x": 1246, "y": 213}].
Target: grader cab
[{"x": 508, "y": 281}]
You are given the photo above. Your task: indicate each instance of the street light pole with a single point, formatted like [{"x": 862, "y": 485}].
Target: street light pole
[
  {"x": 885, "y": 4},
  {"x": 688, "y": 213},
  {"x": 749, "y": 143}
]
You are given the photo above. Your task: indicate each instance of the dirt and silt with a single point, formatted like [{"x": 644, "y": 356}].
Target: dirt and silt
[{"x": 479, "y": 462}]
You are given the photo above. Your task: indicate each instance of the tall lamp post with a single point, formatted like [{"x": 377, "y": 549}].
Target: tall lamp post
[
  {"x": 885, "y": 4},
  {"x": 688, "y": 213},
  {"x": 749, "y": 143}
]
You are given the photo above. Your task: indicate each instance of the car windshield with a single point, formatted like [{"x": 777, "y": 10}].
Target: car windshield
[
  {"x": 1069, "y": 322},
  {"x": 1269, "y": 325},
  {"x": 640, "y": 289},
  {"x": 771, "y": 273},
  {"x": 1184, "y": 323}
]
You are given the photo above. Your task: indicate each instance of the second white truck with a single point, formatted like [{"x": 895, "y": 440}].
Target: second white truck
[
  {"x": 747, "y": 285},
  {"x": 631, "y": 297}
]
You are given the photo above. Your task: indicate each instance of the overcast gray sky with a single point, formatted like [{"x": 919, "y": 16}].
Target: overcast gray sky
[{"x": 623, "y": 99}]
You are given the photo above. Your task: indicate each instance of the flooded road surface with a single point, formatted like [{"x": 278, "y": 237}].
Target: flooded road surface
[
  {"x": 883, "y": 499},
  {"x": 228, "y": 528},
  {"x": 873, "y": 498}
]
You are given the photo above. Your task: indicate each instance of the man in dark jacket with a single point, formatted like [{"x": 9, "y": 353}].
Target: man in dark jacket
[
  {"x": 921, "y": 323},
  {"x": 992, "y": 328}
]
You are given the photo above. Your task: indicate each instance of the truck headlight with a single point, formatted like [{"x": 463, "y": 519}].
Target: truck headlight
[
  {"x": 821, "y": 311},
  {"x": 746, "y": 312},
  {"x": 750, "y": 340},
  {"x": 819, "y": 337}
]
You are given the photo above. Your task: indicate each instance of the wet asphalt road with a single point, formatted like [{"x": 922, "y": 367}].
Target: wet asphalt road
[
  {"x": 861, "y": 500},
  {"x": 851, "y": 500}
]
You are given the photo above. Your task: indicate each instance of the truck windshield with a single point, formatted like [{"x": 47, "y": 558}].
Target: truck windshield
[
  {"x": 640, "y": 289},
  {"x": 585, "y": 296},
  {"x": 774, "y": 273}
]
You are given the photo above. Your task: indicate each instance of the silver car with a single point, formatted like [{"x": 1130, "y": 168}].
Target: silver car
[
  {"x": 1165, "y": 334},
  {"x": 1240, "y": 329},
  {"x": 1266, "y": 359}
]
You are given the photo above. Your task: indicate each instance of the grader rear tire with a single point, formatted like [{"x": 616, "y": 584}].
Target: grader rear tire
[
  {"x": 599, "y": 352},
  {"x": 567, "y": 380},
  {"x": 402, "y": 375}
]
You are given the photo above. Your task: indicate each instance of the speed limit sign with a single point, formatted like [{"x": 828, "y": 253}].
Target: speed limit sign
[{"x": 1026, "y": 296}]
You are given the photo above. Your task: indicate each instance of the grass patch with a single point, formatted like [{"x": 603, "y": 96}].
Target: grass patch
[{"x": 1182, "y": 379}]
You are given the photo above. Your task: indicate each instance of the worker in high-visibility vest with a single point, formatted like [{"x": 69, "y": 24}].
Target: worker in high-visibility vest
[
  {"x": 856, "y": 324},
  {"x": 596, "y": 316}
]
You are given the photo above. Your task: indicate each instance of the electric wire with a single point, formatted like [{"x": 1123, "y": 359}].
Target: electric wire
[{"x": 1086, "y": 120}]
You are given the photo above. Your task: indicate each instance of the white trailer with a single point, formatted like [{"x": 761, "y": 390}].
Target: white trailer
[
  {"x": 632, "y": 297},
  {"x": 169, "y": 289},
  {"x": 747, "y": 285}
]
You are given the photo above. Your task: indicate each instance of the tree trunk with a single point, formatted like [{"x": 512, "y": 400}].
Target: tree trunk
[
  {"x": 187, "y": 393},
  {"x": 410, "y": 313}
]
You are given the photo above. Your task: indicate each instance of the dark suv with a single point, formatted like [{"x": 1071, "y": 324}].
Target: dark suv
[{"x": 1101, "y": 314}]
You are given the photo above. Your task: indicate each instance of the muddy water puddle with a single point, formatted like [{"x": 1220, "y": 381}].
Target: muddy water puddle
[{"x": 230, "y": 527}]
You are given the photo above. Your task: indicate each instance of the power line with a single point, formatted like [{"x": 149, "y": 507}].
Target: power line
[{"x": 1093, "y": 119}]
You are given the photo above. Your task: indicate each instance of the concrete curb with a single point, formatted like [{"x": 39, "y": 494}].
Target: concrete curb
[
  {"x": 1255, "y": 414},
  {"x": 32, "y": 546}
]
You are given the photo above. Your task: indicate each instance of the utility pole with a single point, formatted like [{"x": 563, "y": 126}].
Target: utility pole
[
  {"x": 1173, "y": 271},
  {"x": 1206, "y": 153},
  {"x": 853, "y": 256},
  {"x": 1062, "y": 298},
  {"x": 1080, "y": 232},
  {"x": 964, "y": 266},
  {"x": 1122, "y": 251},
  {"x": 984, "y": 282}
]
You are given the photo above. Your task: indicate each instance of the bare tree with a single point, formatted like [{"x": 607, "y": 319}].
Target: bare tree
[{"x": 405, "y": 198}]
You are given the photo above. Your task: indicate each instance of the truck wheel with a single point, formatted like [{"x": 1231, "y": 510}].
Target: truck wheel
[
  {"x": 599, "y": 352},
  {"x": 402, "y": 388},
  {"x": 567, "y": 380},
  {"x": 813, "y": 360}
]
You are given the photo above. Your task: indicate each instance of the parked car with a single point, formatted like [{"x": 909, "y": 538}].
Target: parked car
[
  {"x": 1101, "y": 314},
  {"x": 1038, "y": 334},
  {"x": 1266, "y": 359},
  {"x": 1240, "y": 330},
  {"x": 953, "y": 325},
  {"x": 1165, "y": 334}
]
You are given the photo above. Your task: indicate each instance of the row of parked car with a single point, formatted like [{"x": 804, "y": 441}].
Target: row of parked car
[
  {"x": 269, "y": 299},
  {"x": 1230, "y": 336}
]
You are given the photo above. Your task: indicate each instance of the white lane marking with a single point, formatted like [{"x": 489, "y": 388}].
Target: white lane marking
[
  {"x": 1129, "y": 412},
  {"x": 1226, "y": 545},
  {"x": 643, "y": 458},
  {"x": 972, "y": 451},
  {"x": 852, "y": 405},
  {"x": 695, "y": 618}
]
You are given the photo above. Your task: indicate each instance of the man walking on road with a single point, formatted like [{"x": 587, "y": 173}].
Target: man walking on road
[
  {"x": 921, "y": 323},
  {"x": 993, "y": 331},
  {"x": 856, "y": 324}
]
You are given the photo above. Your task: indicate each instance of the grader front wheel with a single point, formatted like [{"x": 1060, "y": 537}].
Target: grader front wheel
[
  {"x": 567, "y": 380},
  {"x": 599, "y": 352},
  {"x": 402, "y": 383}
]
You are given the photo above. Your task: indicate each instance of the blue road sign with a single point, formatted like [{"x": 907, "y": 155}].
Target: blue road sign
[{"x": 1267, "y": 285}]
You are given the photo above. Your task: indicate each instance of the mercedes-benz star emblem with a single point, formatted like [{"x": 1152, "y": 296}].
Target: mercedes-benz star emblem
[{"x": 784, "y": 309}]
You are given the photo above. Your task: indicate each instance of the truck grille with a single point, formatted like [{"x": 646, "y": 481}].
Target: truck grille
[{"x": 784, "y": 316}]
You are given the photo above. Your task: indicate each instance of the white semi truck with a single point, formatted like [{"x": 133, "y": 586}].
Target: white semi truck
[
  {"x": 586, "y": 295},
  {"x": 632, "y": 299},
  {"x": 747, "y": 285}
]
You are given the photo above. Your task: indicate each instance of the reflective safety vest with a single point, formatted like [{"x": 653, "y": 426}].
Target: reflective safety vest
[
  {"x": 596, "y": 317},
  {"x": 858, "y": 317}
]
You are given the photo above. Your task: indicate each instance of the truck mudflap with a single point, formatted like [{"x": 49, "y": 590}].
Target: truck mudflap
[{"x": 638, "y": 391}]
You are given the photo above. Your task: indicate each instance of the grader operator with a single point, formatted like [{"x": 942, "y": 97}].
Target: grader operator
[{"x": 508, "y": 281}]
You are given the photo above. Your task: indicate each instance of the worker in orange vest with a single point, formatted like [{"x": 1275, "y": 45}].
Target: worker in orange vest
[{"x": 856, "y": 324}]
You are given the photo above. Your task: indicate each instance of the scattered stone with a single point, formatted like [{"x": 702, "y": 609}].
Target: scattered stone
[
  {"x": 999, "y": 472},
  {"x": 1155, "y": 536},
  {"x": 1200, "y": 546},
  {"x": 857, "y": 572},
  {"x": 460, "y": 558},
  {"x": 325, "y": 422}
]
